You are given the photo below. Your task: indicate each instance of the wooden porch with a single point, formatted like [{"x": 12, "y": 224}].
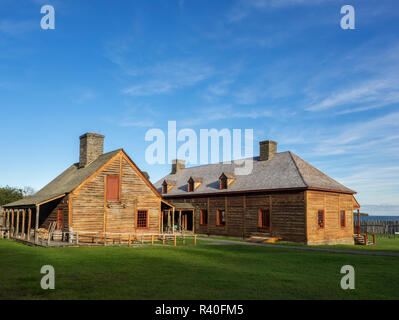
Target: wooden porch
[{"x": 179, "y": 218}]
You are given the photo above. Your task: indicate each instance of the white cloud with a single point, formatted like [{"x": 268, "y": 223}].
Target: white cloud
[
  {"x": 86, "y": 96},
  {"x": 242, "y": 8},
  {"x": 374, "y": 94},
  {"x": 169, "y": 76},
  {"x": 138, "y": 124},
  {"x": 14, "y": 27}
]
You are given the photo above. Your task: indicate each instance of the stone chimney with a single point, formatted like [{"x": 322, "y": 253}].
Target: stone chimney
[
  {"x": 91, "y": 147},
  {"x": 267, "y": 149},
  {"x": 178, "y": 165}
]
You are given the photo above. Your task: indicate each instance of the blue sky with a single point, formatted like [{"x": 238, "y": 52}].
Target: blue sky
[{"x": 284, "y": 68}]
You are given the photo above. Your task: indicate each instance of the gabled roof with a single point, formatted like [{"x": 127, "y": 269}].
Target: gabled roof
[
  {"x": 66, "y": 181},
  {"x": 72, "y": 178},
  {"x": 196, "y": 179},
  {"x": 284, "y": 170},
  {"x": 228, "y": 175},
  {"x": 169, "y": 182}
]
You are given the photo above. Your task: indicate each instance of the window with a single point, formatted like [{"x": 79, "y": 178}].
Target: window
[
  {"x": 223, "y": 183},
  {"x": 221, "y": 218},
  {"x": 112, "y": 188},
  {"x": 190, "y": 186},
  {"x": 320, "y": 219},
  {"x": 60, "y": 219},
  {"x": 204, "y": 217},
  {"x": 342, "y": 219},
  {"x": 264, "y": 218},
  {"x": 142, "y": 219},
  {"x": 164, "y": 189}
]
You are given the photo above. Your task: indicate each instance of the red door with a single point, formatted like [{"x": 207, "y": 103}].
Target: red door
[{"x": 60, "y": 219}]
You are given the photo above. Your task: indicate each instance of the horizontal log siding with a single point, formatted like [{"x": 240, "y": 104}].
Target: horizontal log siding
[
  {"x": 89, "y": 206},
  {"x": 50, "y": 211},
  {"x": 287, "y": 214},
  {"x": 332, "y": 204}
]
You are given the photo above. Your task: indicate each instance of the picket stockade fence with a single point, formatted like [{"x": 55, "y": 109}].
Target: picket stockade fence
[{"x": 383, "y": 227}]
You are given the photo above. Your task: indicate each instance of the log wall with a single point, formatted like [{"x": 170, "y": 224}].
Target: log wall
[
  {"x": 287, "y": 214},
  {"x": 49, "y": 211},
  {"x": 332, "y": 203},
  {"x": 92, "y": 213}
]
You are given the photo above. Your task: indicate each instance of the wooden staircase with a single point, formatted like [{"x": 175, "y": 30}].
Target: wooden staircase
[
  {"x": 261, "y": 237},
  {"x": 364, "y": 239}
]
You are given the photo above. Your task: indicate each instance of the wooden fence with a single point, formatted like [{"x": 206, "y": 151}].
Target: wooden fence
[
  {"x": 55, "y": 239},
  {"x": 384, "y": 227}
]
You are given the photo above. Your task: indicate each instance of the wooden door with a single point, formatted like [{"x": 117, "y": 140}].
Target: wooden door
[{"x": 60, "y": 219}]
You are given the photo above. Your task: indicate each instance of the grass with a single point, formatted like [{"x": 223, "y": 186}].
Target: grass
[
  {"x": 201, "y": 272},
  {"x": 382, "y": 244}
]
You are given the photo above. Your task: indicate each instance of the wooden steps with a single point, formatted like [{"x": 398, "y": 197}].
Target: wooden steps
[
  {"x": 258, "y": 237},
  {"x": 359, "y": 240}
]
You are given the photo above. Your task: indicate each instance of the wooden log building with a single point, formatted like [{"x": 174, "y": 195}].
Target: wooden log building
[
  {"x": 283, "y": 197},
  {"x": 102, "y": 193}
]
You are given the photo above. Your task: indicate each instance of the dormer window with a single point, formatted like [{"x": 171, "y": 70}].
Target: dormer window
[
  {"x": 225, "y": 179},
  {"x": 193, "y": 183},
  {"x": 223, "y": 183},
  {"x": 167, "y": 185}
]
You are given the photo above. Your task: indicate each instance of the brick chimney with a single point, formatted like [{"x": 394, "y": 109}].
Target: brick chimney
[
  {"x": 178, "y": 165},
  {"x": 91, "y": 147},
  {"x": 267, "y": 149}
]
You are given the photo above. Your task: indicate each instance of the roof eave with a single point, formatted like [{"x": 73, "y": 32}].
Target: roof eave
[{"x": 191, "y": 194}]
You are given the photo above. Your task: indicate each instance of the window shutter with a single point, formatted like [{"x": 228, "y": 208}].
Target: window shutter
[{"x": 112, "y": 188}]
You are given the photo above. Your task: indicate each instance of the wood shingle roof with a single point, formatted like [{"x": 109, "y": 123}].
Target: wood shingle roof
[
  {"x": 284, "y": 170},
  {"x": 65, "y": 182}
]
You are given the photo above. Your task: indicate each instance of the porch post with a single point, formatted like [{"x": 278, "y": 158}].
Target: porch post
[
  {"x": 17, "y": 226},
  {"x": 173, "y": 221},
  {"x": 29, "y": 221},
  {"x": 8, "y": 219},
  {"x": 37, "y": 224},
  {"x": 162, "y": 213},
  {"x": 358, "y": 221},
  {"x": 12, "y": 221},
  {"x": 23, "y": 223},
  {"x": 180, "y": 221}
]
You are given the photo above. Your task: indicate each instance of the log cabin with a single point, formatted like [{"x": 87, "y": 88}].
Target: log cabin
[
  {"x": 102, "y": 193},
  {"x": 284, "y": 197}
]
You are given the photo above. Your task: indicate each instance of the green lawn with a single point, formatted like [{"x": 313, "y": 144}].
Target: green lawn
[
  {"x": 201, "y": 272},
  {"x": 382, "y": 244}
]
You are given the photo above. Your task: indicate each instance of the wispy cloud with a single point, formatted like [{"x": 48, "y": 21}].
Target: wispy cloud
[
  {"x": 86, "y": 96},
  {"x": 371, "y": 94},
  {"x": 169, "y": 76},
  {"x": 341, "y": 86},
  {"x": 223, "y": 112},
  {"x": 15, "y": 27},
  {"x": 138, "y": 124},
  {"x": 242, "y": 8}
]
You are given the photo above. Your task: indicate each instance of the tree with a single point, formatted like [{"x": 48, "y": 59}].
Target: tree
[
  {"x": 28, "y": 191},
  {"x": 9, "y": 194}
]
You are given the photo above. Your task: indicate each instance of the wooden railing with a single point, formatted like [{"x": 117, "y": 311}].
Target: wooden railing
[
  {"x": 365, "y": 234},
  {"x": 59, "y": 238},
  {"x": 115, "y": 238}
]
